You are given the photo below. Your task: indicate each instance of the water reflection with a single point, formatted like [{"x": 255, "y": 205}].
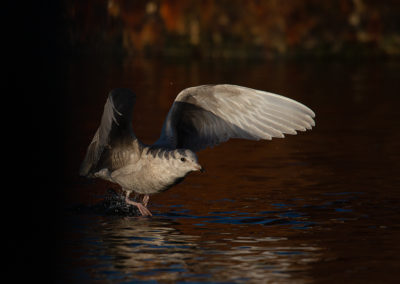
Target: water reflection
[
  {"x": 313, "y": 207},
  {"x": 151, "y": 249},
  {"x": 139, "y": 249}
]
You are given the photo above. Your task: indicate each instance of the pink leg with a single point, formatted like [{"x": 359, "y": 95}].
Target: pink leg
[
  {"x": 146, "y": 199},
  {"x": 143, "y": 210}
]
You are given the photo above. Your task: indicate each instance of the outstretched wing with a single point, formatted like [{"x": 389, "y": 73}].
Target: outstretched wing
[
  {"x": 115, "y": 130},
  {"x": 205, "y": 116}
]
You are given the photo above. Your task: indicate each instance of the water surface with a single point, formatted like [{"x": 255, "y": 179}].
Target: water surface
[{"x": 322, "y": 206}]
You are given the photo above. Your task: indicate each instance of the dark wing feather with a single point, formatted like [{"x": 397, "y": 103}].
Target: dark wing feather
[
  {"x": 205, "y": 116},
  {"x": 115, "y": 132}
]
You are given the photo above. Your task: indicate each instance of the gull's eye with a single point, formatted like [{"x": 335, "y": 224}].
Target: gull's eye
[{"x": 183, "y": 159}]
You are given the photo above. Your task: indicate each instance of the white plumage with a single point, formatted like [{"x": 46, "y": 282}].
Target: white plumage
[{"x": 200, "y": 117}]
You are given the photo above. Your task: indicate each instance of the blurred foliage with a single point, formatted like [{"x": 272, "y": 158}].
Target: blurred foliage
[{"x": 235, "y": 28}]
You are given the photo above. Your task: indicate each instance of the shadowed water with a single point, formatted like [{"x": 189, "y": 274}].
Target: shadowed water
[{"x": 322, "y": 206}]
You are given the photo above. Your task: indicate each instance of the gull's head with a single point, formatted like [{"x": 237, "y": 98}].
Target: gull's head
[{"x": 186, "y": 161}]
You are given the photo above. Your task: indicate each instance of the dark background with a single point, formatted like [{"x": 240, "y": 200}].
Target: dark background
[
  {"x": 34, "y": 61},
  {"x": 234, "y": 29},
  {"x": 41, "y": 37}
]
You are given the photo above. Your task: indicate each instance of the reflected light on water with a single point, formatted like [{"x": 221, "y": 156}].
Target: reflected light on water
[
  {"x": 133, "y": 249},
  {"x": 314, "y": 207}
]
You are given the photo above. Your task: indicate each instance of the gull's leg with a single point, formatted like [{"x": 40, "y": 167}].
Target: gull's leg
[
  {"x": 143, "y": 210},
  {"x": 146, "y": 199}
]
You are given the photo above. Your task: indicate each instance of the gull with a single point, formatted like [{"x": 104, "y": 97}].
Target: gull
[{"x": 200, "y": 117}]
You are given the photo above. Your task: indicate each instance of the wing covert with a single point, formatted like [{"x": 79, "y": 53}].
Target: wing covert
[{"x": 208, "y": 115}]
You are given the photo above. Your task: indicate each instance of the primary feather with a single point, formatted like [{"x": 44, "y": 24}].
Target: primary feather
[{"x": 205, "y": 116}]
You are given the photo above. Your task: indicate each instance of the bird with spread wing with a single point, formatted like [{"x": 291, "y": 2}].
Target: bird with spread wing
[{"x": 200, "y": 117}]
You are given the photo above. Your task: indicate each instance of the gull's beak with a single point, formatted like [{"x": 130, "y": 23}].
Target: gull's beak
[{"x": 200, "y": 168}]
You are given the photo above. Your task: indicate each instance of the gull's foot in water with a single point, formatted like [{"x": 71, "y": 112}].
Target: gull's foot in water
[{"x": 143, "y": 210}]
